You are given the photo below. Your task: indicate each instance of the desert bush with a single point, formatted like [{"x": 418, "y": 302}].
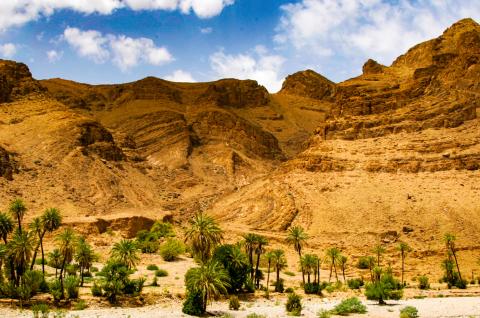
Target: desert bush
[
  {"x": 40, "y": 310},
  {"x": 93, "y": 269},
  {"x": 288, "y": 273},
  {"x": 256, "y": 316},
  {"x": 312, "y": 288},
  {"x": 233, "y": 303},
  {"x": 96, "y": 290},
  {"x": 154, "y": 282},
  {"x": 162, "y": 229},
  {"x": 279, "y": 287},
  {"x": 363, "y": 263},
  {"x": 34, "y": 280},
  {"x": 171, "y": 249},
  {"x": 294, "y": 304},
  {"x": 147, "y": 242},
  {"x": 134, "y": 286},
  {"x": 355, "y": 283},
  {"x": 193, "y": 304},
  {"x": 249, "y": 285},
  {"x": 152, "y": 267},
  {"x": 81, "y": 305},
  {"x": 55, "y": 287},
  {"x": 409, "y": 312},
  {"x": 161, "y": 273},
  {"x": 387, "y": 287},
  {"x": 72, "y": 285},
  {"x": 423, "y": 282},
  {"x": 323, "y": 313},
  {"x": 349, "y": 306}
]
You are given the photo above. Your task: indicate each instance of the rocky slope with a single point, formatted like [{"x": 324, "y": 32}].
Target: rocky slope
[{"x": 390, "y": 155}]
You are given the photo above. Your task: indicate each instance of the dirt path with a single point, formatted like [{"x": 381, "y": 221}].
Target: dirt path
[{"x": 428, "y": 308}]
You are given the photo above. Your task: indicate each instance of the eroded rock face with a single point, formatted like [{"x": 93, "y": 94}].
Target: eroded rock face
[
  {"x": 215, "y": 126},
  {"x": 95, "y": 138},
  {"x": 235, "y": 93},
  {"x": 15, "y": 81},
  {"x": 7, "y": 166},
  {"x": 309, "y": 84},
  {"x": 372, "y": 67}
]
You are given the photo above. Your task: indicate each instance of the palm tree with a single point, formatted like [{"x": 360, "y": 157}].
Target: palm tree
[
  {"x": 404, "y": 249},
  {"x": 20, "y": 250},
  {"x": 269, "y": 257},
  {"x": 204, "y": 235},
  {"x": 84, "y": 256},
  {"x": 17, "y": 209},
  {"x": 379, "y": 250},
  {"x": 126, "y": 252},
  {"x": 3, "y": 255},
  {"x": 210, "y": 280},
  {"x": 36, "y": 227},
  {"x": 332, "y": 255},
  {"x": 342, "y": 261},
  {"x": 250, "y": 243},
  {"x": 450, "y": 242},
  {"x": 309, "y": 264},
  {"x": 6, "y": 226},
  {"x": 55, "y": 260},
  {"x": 371, "y": 266},
  {"x": 259, "y": 250},
  {"x": 298, "y": 237},
  {"x": 280, "y": 263},
  {"x": 51, "y": 220},
  {"x": 66, "y": 245}
]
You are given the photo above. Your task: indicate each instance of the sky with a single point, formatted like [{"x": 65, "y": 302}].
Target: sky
[{"x": 117, "y": 41}]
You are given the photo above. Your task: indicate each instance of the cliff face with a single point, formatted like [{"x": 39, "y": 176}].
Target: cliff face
[{"x": 15, "y": 81}]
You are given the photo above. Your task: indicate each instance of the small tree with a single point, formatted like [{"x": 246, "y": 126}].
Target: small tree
[
  {"x": 84, "y": 256},
  {"x": 332, "y": 255},
  {"x": 298, "y": 238},
  {"x": 204, "y": 235},
  {"x": 342, "y": 261},
  {"x": 126, "y": 252},
  {"x": 67, "y": 241},
  {"x": 404, "y": 249},
  {"x": 280, "y": 263},
  {"x": 384, "y": 287},
  {"x": 379, "y": 250},
  {"x": 259, "y": 250}
]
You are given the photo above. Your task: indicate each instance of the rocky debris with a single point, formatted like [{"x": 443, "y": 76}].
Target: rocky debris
[
  {"x": 309, "y": 84},
  {"x": 16, "y": 81},
  {"x": 95, "y": 138},
  {"x": 389, "y": 237},
  {"x": 235, "y": 93},
  {"x": 222, "y": 126},
  {"x": 7, "y": 165}
]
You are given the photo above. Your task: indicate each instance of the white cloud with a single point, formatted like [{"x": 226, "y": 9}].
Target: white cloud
[
  {"x": 124, "y": 51},
  {"x": 8, "y": 50},
  {"x": 258, "y": 65},
  {"x": 91, "y": 44},
  {"x": 180, "y": 76},
  {"x": 373, "y": 28},
  {"x": 207, "y": 30},
  {"x": 54, "y": 56},
  {"x": 19, "y": 12}
]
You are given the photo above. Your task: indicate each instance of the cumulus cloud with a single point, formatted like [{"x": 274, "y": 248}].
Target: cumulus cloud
[
  {"x": 54, "y": 56},
  {"x": 180, "y": 76},
  {"x": 8, "y": 50},
  {"x": 258, "y": 65},
  {"x": 19, "y": 12},
  {"x": 374, "y": 28},
  {"x": 125, "y": 52}
]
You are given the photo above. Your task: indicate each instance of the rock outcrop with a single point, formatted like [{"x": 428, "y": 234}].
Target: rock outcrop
[
  {"x": 7, "y": 165},
  {"x": 16, "y": 81},
  {"x": 309, "y": 84},
  {"x": 235, "y": 93},
  {"x": 95, "y": 138}
]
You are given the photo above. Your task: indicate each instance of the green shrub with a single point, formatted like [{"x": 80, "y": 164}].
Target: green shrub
[
  {"x": 249, "y": 285},
  {"x": 423, "y": 282},
  {"x": 55, "y": 287},
  {"x": 409, "y": 312},
  {"x": 311, "y": 288},
  {"x": 289, "y": 290},
  {"x": 171, "y": 249},
  {"x": 161, "y": 273},
  {"x": 72, "y": 285},
  {"x": 289, "y": 273},
  {"x": 363, "y": 263},
  {"x": 238, "y": 271},
  {"x": 154, "y": 282},
  {"x": 233, "y": 303},
  {"x": 162, "y": 229},
  {"x": 349, "y": 306},
  {"x": 96, "y": 290},
  {"x": 147, "y": 242},
  {"x": 256, "y": 316},
  {"x": 384, "y": 288},
  {"x": 193, "y": 304},
  {"x": 279, "y": 288},
  {"x": 40, "y": 310},
  {"x": 134, "y": 286},
  {"x": 294, "y": 305},
  {"x": 93, "y": 269},
  {"x": 34, "y": 280},
  {"x": 152, "y": 267},
  {"x": 323, "y": 313},
  {"x": 81, "y": 305},
  {"x": 355, "y": 283}
]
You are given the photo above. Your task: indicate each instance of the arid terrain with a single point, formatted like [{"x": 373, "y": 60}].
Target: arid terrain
[{"x": 391, "y": 155}]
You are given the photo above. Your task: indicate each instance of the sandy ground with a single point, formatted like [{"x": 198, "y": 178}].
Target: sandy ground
[{"x": 427, "y": 308}]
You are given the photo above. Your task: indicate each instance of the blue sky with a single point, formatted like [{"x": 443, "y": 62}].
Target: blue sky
[{"x": 111, "y": 41}]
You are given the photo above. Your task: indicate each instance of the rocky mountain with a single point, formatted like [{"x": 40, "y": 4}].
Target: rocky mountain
[{"x": 393, "y": 154}]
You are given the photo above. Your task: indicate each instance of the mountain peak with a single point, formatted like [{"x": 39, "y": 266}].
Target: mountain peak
[{"x": 310, "y": 84}]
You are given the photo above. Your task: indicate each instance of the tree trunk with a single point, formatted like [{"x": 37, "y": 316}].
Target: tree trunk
[
  {"x": 336, "y": 275},
  {"x": 81, "y": 276},
  {"x": 301, "y": 266},
  {"x": 330, "y": 277},
  {"x": 40, "y": 237},
  {"x": 268, "y": 273},
  {"x": 256, "y": 270},
  {"x": 19, "y": 224},
  {"x": 318, "y": 268},
  {"x": 278, "y": 280},
  {"x": 43, "y": 258},
  {"x": 308, "y": 276},
  {"x": 61, "y": 277},
  {"x": 343, "y": 273},
  {"x": 456, "y": 263},
  {"x": 403, "y": 267}
]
